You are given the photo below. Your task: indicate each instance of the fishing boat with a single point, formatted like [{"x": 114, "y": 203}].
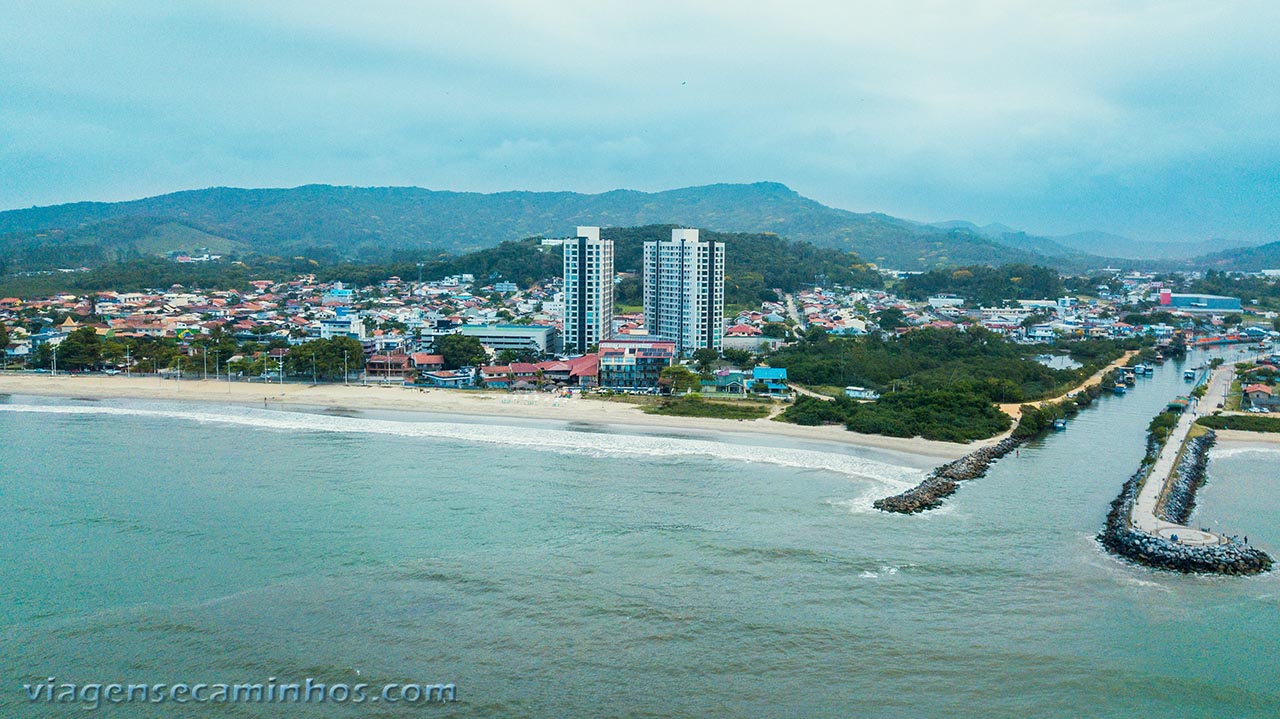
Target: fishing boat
[
  {"x": 1119, "y": 389},
  {"x": 1189, "y": 375},
  {"x": 1059, "y": 425}
]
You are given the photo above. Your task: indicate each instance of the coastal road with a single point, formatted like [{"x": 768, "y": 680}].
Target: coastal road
[{"x": 1143, "y": 516}]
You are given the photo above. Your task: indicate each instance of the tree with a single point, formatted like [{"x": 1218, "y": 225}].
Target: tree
[
  {"x": 891, "y": 318},
  {"x": 81, "y": 349},
  {"x": 740, "y": 358},
  {"x": 328, "y": 359},
  {"x": 680, "y": 378},
  {"x": 4, "y": 336},
  {"x": 524, "y": 355},
  {"x": 461, "y": 351},
  {"x": 705, "y": 358},
  {"x": 776, "y": 330},
  {"x": 1232, "y": 319}
]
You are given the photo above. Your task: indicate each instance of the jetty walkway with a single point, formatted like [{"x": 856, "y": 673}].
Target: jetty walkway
[{"x": 1145, "y": 515}]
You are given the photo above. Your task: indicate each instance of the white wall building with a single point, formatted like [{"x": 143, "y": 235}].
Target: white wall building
[
  {"x": 588, "y": 290},
  {"x": 684, "y": 291}
]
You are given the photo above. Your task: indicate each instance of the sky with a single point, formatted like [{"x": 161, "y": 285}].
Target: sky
[{"x": 1155, "y": 120}]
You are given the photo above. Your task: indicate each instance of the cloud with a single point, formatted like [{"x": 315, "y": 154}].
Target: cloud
[{"x": 1155, "y": 119}]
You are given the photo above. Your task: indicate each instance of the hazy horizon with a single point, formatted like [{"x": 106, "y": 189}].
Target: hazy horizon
[{"x": 1149, "y": 120}]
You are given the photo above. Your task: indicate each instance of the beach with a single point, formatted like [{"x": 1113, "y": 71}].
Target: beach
[
  {"x": 1236, "y": 436},
  {"x": 477, "y": 403}
]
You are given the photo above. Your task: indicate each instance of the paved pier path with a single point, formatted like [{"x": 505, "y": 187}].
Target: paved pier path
[{"x": 1143, "y": 516}]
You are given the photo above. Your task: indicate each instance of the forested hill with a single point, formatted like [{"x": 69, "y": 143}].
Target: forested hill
[
  {"x": 381, "y": 223},
  {"x": 1250, "y": 259},
  {"x": 755, "y": 263}
]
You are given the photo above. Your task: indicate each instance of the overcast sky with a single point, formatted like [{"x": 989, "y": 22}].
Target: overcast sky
[{"x": 1159, "y": 120}]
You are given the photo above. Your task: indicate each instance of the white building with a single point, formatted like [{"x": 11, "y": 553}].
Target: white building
[
  {"x": 588, "y": 290},
  {"x": 684, "y": 291}
]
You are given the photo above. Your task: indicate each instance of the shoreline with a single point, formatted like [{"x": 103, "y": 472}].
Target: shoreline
[
  {"x": 471, "y": 403},
  {"x": 1239, "y": 436}
]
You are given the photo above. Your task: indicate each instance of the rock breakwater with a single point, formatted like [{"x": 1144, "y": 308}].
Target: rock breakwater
[
  {"x": 1122, "y": 539},
  {"x": 1180, "y": 496},
  {"x": 942, "y": 482}
]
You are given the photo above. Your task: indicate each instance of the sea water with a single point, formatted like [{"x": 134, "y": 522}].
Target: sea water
[{"x": 547, "y": 571}]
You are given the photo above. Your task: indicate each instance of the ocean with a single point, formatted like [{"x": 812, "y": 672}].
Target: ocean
[{"x": 550, "y": 570}]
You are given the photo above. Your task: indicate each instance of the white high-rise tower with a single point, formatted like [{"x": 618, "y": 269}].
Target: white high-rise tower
[
  {"x": 684, "y": 291},
  {"x": 588, "y": 290}
]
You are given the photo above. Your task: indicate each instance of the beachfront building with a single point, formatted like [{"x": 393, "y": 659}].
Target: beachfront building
[
  {"x": 684, "y": 291},
  {"x": 634, "y": 363},
  {"x": 588, "y": 290},
  {"x": 539, "y": 338}
]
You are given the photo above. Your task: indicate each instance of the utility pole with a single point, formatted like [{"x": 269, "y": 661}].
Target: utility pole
[
  {"x": 55, "y": 360},
  {"x": 128, "y": 366},
  {"x": 345, "y": 375}
]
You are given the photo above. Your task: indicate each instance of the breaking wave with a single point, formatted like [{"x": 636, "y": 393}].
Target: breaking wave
[{"x": 540, "y": 439}]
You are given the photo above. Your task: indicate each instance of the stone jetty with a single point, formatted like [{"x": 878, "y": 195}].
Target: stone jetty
[
  {"x": 1120, "y": 537},
  {"x": 1179, "y": 498},
  {"x": 942, "y": 482}
]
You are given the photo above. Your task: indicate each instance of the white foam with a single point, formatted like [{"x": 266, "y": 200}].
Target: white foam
[
  {"x": 1220, "y": 452},
  {"x": 540, "y": 439}
]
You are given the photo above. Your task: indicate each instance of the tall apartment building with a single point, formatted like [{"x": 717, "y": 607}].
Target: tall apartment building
[
  {"x": 588, "y": 290},
  {"x": 684, "y": 291}
]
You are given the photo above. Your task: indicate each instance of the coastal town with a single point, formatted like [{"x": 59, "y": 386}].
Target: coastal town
[{"x": 530, "y": 338}]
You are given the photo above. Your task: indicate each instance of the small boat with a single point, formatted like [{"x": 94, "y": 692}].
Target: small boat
[
  {"x": 1119, "y": 389},
  {"x": 1189, "y": 375},
  {"x": 1059, "y": 425}
]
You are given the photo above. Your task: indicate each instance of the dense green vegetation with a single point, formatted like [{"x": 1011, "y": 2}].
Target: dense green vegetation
[
  {"x": 693, "y": 406},
  {"x": 1162, "y": 424},
  {"x": 215, "y": 353},
  {"x": 461, "y": 351},
  {"x": 1242, "y": 422},
  {"x": 325, "y": 359},
  {"x": 373, "y": 223},
  {"x": 754, "y": 265},
  {"x": 986, "y": 285},
  {"x": 936, "y": 384},
  {"x": 976, "y": 362},
  {"x": 946, "y": 415}
]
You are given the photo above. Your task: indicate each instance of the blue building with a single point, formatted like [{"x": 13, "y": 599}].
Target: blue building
[
  {"x": 1200, "y": 303},
  {"x": 770, "y": 380}
]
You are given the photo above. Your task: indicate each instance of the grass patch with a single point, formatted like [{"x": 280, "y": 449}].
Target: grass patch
[
  {"x": 1242, "y": 422},
  {"x": 690, "y": 406},
  {"x": 827, "y": 389}
]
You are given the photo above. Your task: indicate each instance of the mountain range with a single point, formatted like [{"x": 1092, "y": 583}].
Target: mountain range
[{"x": 377, "y": 223}]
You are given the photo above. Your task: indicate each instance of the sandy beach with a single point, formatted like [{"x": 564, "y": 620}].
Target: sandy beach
[
  {"x": 1236, "y": 436},
  {"x": 495, "y": 404}
]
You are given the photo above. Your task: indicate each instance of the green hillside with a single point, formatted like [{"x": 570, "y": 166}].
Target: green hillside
[
  {"x": 756, "y": 263},
  {"x": 380, "y": 223}
]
